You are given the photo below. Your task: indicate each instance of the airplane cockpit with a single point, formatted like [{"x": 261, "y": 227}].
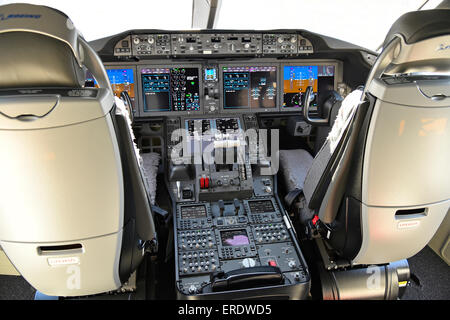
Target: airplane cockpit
[{"x": 222, "y": 164}]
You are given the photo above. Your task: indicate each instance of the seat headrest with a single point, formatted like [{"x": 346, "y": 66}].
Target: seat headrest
[
  {"x": 40, "y": 47},
  {"x": 420, "y": 25},
  {"x": 31, "y": 60}
]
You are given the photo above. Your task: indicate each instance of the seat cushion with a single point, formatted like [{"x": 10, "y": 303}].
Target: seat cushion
[
  {"x": 294, "y": 167},
  {"x": 150, "y": 164}
]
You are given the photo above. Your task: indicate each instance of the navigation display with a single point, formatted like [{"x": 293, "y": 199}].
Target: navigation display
[
  {"x": 170, "y": 89},
  {"x": 234, "y": 237},
  {"x": 247, "y": 87},
  {"x": 297, "y": 78}
]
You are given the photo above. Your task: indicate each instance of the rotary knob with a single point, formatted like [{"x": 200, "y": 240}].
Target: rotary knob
[
  {"x": 248, "y": 262},
  {"x": 293, "y": 39},
  {"x": 136, "y": 40},
  {"x": 292, "y": 264},
  {"x": 150, "y": 40},
  {"x": 192, "y": 289},
  {"x": 280, "y": 40}
]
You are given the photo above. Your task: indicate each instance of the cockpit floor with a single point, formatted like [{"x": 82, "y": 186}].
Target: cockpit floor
[{"x": 431, "y": 280}]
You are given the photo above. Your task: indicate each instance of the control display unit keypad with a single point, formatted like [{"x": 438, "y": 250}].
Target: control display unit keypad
[{"x": 232, "y": 240}]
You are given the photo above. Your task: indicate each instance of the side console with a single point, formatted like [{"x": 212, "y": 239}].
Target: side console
[{"x": 239, "y": 248}]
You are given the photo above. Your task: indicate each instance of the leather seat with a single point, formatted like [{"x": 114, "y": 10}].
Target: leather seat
[
  {"x": 379, "y": 194},
  {"x": 417, "y": 26},
  {"x": 75, "y": 218}
]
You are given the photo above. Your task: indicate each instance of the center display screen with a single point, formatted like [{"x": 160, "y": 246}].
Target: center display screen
[
  {"x": 234, "y": 237},
  {"x": 297, "y": 78},
  {"x": 170, "y": 89},
  {"x": 247, "y": 87}
]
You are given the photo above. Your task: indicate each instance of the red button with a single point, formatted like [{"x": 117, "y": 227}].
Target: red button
[
  {"x": 202, "y": 183},
  {"x": 315, "y": 219},
  {"x": 272, "y": 263},
  {"x": 206, "y": 182}
]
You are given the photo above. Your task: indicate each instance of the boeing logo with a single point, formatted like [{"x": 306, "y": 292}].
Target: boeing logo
[
  {"x": 19, "y": 16},
  {"x": 443, "y": 47}
]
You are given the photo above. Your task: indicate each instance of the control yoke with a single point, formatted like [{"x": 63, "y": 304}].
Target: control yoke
[
  {"x": 127, "y": 100},
  {"x": 308, "y": 119}
]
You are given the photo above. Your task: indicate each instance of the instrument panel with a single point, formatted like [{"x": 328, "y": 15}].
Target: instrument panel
[
  {"x": 170, "y": 89},
  {"x": 167, "y": 88},
  {"x": 214, "y": 43}
]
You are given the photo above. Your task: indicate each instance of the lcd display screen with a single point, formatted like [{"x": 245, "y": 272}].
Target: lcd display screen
[
  {"x": 120, "y": 79},
  {"x": 247, "y": 87},
  {"x": 193, "y": 212},
  {"x": 234, "y": 237},
  {"x": 170, "y": 89},
  {"x": 297, "y": 78},
  {"x": 210, "y": 74},
  {"x": 261, "y": 206}
]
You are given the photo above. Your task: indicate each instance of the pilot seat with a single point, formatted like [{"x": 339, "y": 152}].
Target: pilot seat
[
  {"x": 378, "y": 188},
  {"x": 75, "y": 216}
]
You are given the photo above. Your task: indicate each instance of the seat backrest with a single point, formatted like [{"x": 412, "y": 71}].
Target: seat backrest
[
  {"x": 74, "y": 215},
  {"x": 384, "y": 190}
]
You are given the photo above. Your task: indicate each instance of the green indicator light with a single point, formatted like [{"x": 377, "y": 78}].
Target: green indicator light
[{"x": 192, "y": 82}]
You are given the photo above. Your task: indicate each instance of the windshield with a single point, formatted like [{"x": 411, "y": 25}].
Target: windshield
[{"x": 364, "y": 22}]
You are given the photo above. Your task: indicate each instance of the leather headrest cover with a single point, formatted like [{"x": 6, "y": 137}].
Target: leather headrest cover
[
  {"x": 34, "y": 60},
  {"x": 421, "y": 25}
]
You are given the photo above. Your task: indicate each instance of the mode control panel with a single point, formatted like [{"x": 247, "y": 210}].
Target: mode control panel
[
  {"x": 280, "y": 43},
  {"x": 151, "y": 44},
  {"x": 199, "y": 43},
  {"x": 196, "y": 43}
]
